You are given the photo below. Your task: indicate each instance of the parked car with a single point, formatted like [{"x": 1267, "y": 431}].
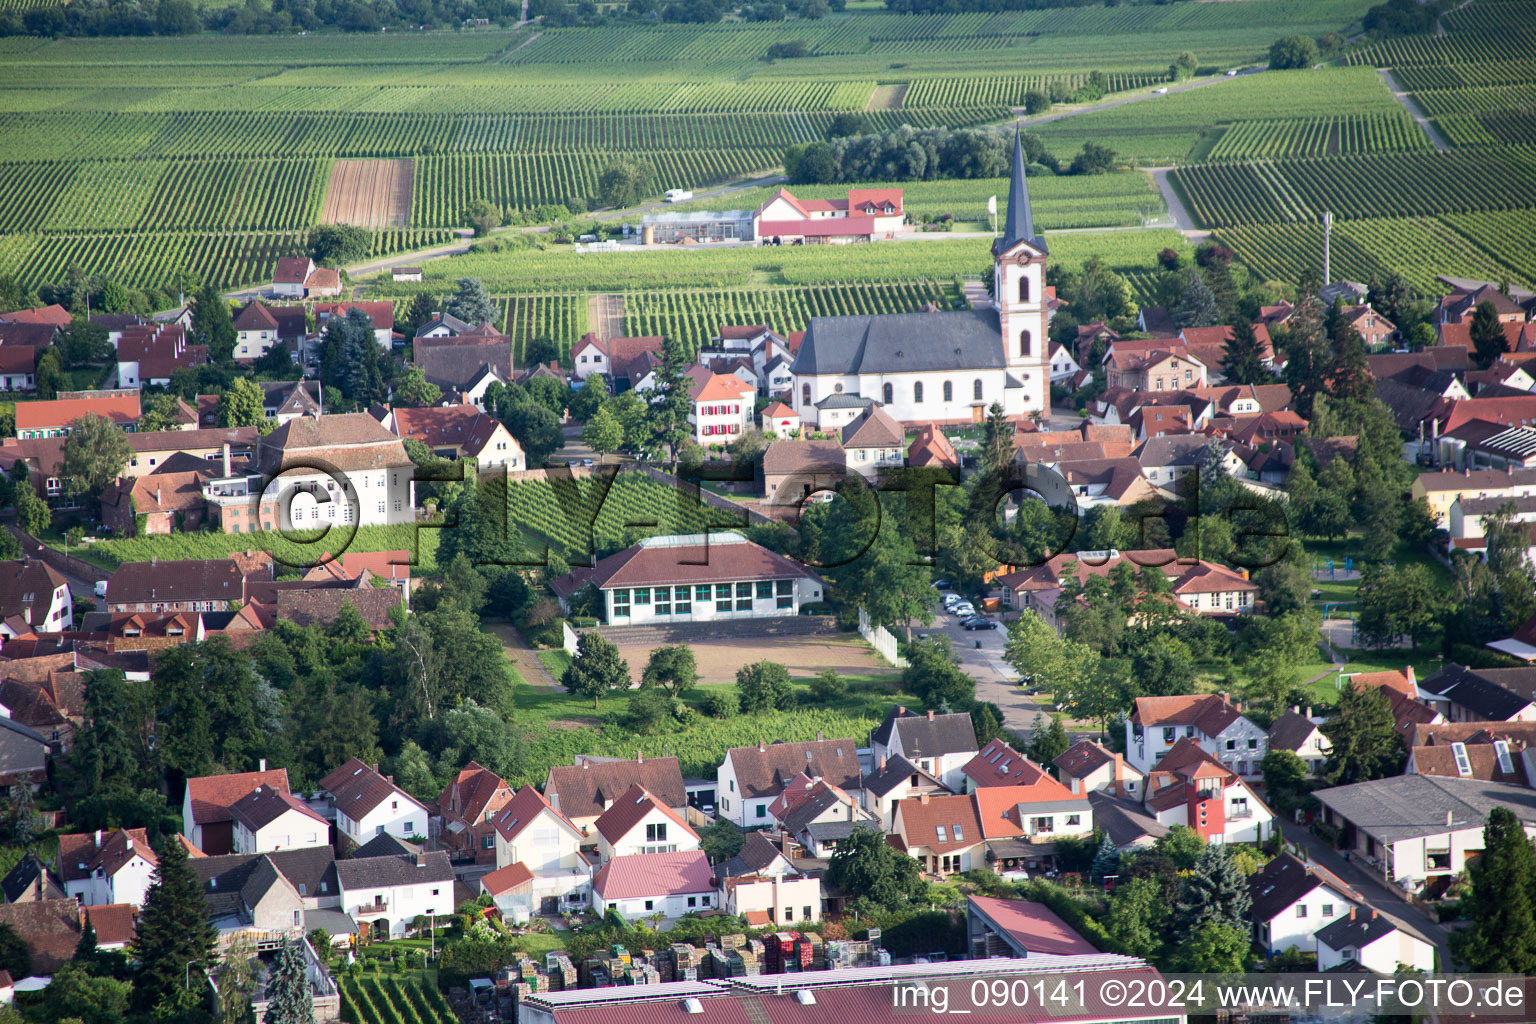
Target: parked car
[
  {"x": 942, "y": 584},
  {"x": 1160, "y": 92},
  {"x": 949, "y": 598},
  {"x": 101, "y": 588},
  {"x": 978, "y": 622},
  {"x": 963, "y": 610}
]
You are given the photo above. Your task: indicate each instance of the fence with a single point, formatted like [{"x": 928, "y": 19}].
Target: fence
[
  {"x": 68, "y": 564},
  {"x": 568, "y": 638},
  {"x": 880, "y": 639}
]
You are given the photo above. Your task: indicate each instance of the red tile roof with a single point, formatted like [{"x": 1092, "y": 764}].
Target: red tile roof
[
  {"x": 292, "y": 270},
  {"x": 1033, "y": 926},
  {"x": 526, "y": 805},
  {"x": 998, "y": 764},
  {"x": 652, "y": 564},
  {"x": 115, "y": 923},
  {"x": 54, "y": 314},
  {"x": 117, "y": 848},
  {"x": 61, "y": 411},
  {"x": 505, "y": 879},
  {"x": 922, "y": 817},
  {"x": 380, "y": 314},
  {"x": 583, "y": 790},
  {"x": 654, "y": 874},
  {"x": 357, "y": 788},
  {"x": 830, "y": 227},
  {"x": 628, "y": 810},
  {"x": 1208, "y": 712},
  {"x": 213, "y": 795},
  {"x": 932, "y": 448}
]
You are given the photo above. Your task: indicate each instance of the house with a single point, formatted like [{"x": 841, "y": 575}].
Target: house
[
  {"x": 794, "y": 470},
  {"x": 1189, "y": 787},
  {"x": 1298, "y": 732},
  {"x": 474, "y": 392},
  {"x": 1019, "y": 928},
  {"x": 532, "y": 833},
  {"x": 18, "y": 365},
  {"x": 405, "y": 274},
  {"x": 1481, "y": 444},
  {"x": 1521, "y": 645},
  {"x": 189, "y": 585},
  {"x": 910, "y": 361},
  {"x": 106, "y": 867},
  {"x": 942, "y": 832},
  {"x": 290, "y": 275},
  {"x": 646, "y": 885},
  {"x": 148, "y": 356},
  {"x": 511, "y": 889},
  {"x": 259, "y": 328},
  {"x": 638, "y": 822},
  {"x": 1292, "y": 899},
  {"x": 369, "y": 804},
  {"x": 49, "y": 929},
  {"x": 932, "y": 449},
  {"x": 31, "y": 880},
  {"x": 1466, "y": 522},
  {"x": 51, "y": 706},
  {"x": 779, "y": 420},
  {"x": 751, "y": 778},
  {"x": 777, "y": 894},
  {"x": 206, "y": 819},
  {"x": 459, "y": 432},
  {"x": 467, "y": 808},
  {"x": 1089, "y": 767},
  {"x": 381, "y": 318},
  {"x": 393, "y": 567},
  {"x": 873, "y": 442},
  {"x": 1105, "y": 482},
  {"x": 583, "y": 791},
  {"x": 998, "y": 764},
  {"x": 54, "y": 417},
  {"x": 1021, "y": 823},
  {"x": 1417, "y": 830},
  {"x": 1211, "y": 720},
  {"x": 268, "y": 819},
  {"x": 55, "y": 315},
  {"x": 775, "y": 377},
  {"x": 817, "y": 814},
  {"x": 1375, "y": 941},
  {"x": 273, "y": 896},
  {"x": 452, "y": 354},
  {"x": 36, "y": 595},
  {"x": 167, "y": 503},
  {"x": 1157, "y": 365},
  {"x": 895, "y": 779},
  {"x": 1064, "y": 367},
  {"x": 1485, "y": 755},
  {"x": 1168, "y": 458},
  {"x": 388, "y": 884},
  {"x": 1443, "y": 489},
  {"x": 1463, "y": 694},
  {"x": 1202, "y": 587},
  {"x": 719, "y": 407},
  {"x": 625, "y": 361},
  {"x": 695, "y": 578},
  {"x": 937, "y": 743},
  {"x": 1461, "y": 303},
  {"x": 866, "y": 215}
]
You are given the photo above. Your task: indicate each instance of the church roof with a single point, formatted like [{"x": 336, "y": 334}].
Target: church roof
[
  {"x": 1020, "y": 223},
  {"x": 901, "y": 343}
]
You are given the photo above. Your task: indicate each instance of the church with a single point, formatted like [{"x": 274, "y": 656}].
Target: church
[{"x": 940, "y": 367}]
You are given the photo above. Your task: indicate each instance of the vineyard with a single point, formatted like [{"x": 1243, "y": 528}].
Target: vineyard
[
  {"x": 378, "y": 999},
  {"x": 562, "y": 318},
  {"x": 294, "y": 551},
  {"x": 1327, "y": 136}
]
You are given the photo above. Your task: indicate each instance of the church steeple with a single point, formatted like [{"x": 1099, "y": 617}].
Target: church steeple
[{"x": 1020, "y": 223}]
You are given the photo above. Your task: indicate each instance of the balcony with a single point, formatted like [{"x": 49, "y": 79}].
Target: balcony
[
  {"x": 1239, "y": 813},
  {"x": 371, "y": 910}
]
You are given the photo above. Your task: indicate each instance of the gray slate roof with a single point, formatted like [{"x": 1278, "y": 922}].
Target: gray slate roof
[
  {"x": 1363, "y": 929},
  {"x": 756, "y": 853},
  {"x": 832, "y": 831},
  {"x": 383, "y": 872},
  {"x": 897, "y": 770},
  {"x": 1470, "y": 688},
  {"x": 1413, "y": 806},
  {"x": 1171, "y": 450},
  {"x": 924, "y": 737},
  {"x": 1290, "y": 731},
  {"x": 901, "y": 343},
  {"x": 1124, "y": 820}
]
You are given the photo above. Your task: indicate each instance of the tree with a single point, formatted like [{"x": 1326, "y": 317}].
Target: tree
[
  {"x": 470, "y": 302},
  {"x": 1214, "y": 892},
  {"x": 537, "y": 430},
  {"x": 672, "y": 668},
  {"x": 413, "y": 389},
  {"x": 866, "y": 864},
  {"x": 1399, "y": 601},
  {"x": 1182, "y": 845},
  {"x": 1197, "y": 304},
  {"x": 828, "y": 687},
  {"x": 1501, "y": 938},
  {"x": 624, "y": 183},
  {"x": 1285, "y": 779},
  {"x": 721, "y": 841},
  {"x": 933, "y": 674},
  {"x": 847, "y": 123},
  {"x": 1106, "y": 861},
  {"x": 1048, "y": 743},
  {"x": 335, "y": 245},
  {"x": 422, "y": 308},
  {"x": 241, "y": 405},
  {"x": 349, "y": 359},
  {"x": 212, "y": 324},
  {"x": 484, "y": 216},
  {"x": 603, "y": 432},
  {"x": 1285, "y": 587},
  {"x": 1135, "y": 916},
  {"x": 174, "y": 944},
  {"x": 1292, "y": 52},
  {"x": 289, "y": 991},
  {"x": 1214, "y": 949},
  {"x": 1094, "y": 159},
  {"x": 14, "y": 956},
  {"x": 668, "y": 402},
  {"x": 1488, "y": 341},
  {"x": 1243, "y": 357},
  {"x": 764, "y": 686},
  {"x": 1363, "y": 736},
  {"x": 596, "y": 668},
  {"x": 1036, "y": 102},
  {"x": 32, "y": 512},
  {"x": 997, "y": 444},
  {"x": 95, "y": 454},
  {"x": 648, "y": 709},
  {"x": 1183, "y": 66},
  {"x": 1045, "y": 658},
  {"x": 50, "y": 377},
  {"x": 160, "y": 412}
]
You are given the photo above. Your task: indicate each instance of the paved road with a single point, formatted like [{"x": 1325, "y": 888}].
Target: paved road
[
  {"x": 1435, "y": 138},
  {"x": 1377, "y": 893},
  {"x": 996, "y": 681},
  {"x": 1181, "y": 218}
]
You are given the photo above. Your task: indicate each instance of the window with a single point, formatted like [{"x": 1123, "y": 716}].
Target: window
[
  {"x": 1074, "y": 819},
  {"x": 704, "y": 899},
  {"x": 621, "y": 602},
  {"x": 1168, "y": 732},
  {"x": 487, "y": 842},
  {"x": 917, "y": 393},
  {"x": 941, "y": 833},
  {"x": 642, "y": 595},
  {"x": 650, "y": 904},
  {"x": 1026, "y": 343},
  {"x": 1044, "y": 824},
  {"x": 1231, "y": 744},
  {"x": 890, "y": 393},
  {"x": 949, "y": 392},
  {"x": 1023, "y": 287},
  {"x": 702, "y": 592},
  {"x": 656, "y": 833},
  {"x": 684, "y": 602},
  {"x": 789, "y": 913},
  {"x": 378, "y": 830},
  {"x": 723, "y": 595},
  {"x": 663, "y": 600},
  {"x": 765, "y": 588},
  {"x": 1253, "y": 744},
  {"x": 693, "y": 901},
  {"x": 976, "y": 390},
  {"x": 1301, "y": 910},
  {"x": 805, "y": 394},
  {"x": 1327, "y": 909},
  {"x": 762, "y": 810}
]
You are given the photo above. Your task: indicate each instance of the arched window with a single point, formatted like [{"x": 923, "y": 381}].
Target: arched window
[
  {"x": 838, "y": 388},
  {"x": 1026, "y": 343},
  {"x": 949, "y": 392},
  {"x": 917, "y": 392},
  {"x": 1023, "y": 287},
  {"x": 976, "y": 390},
  {"x": 890, "y": 393},
  {"x": 805, "y": 394}
]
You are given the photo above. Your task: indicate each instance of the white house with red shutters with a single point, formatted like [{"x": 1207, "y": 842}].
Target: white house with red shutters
[
  {"x": 720, "y": 407},
  {"x": 866, "y": 215}
]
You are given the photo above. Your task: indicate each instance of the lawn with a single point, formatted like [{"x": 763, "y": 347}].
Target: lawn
[{"x": 555, "y": 662}]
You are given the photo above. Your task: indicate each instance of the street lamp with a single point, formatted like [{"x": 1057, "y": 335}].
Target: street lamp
[{"x": 187, "y": 982}]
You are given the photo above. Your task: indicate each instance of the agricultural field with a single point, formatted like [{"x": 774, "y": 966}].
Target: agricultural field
[
  {"x": 292, "y": 550},
  {"x": 369, "y": 193},
  {"x": 379, "y": 999}
]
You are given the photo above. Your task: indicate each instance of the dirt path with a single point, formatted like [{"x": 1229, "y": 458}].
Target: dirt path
[
  {"x": 528, "y": 664},
  {"x": 1181, "y": 218},
  {"x": 888, "y": 97},
  {"x": 1137, "y": 97},
  {"x": 1435, "y": 138},
  {"x": 605, "y": 315}
]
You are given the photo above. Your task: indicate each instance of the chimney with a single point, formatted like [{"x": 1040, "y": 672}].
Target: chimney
[
  {"x": 820, "y": 736},
  {"x": 1295, "y": 710},
  {"x": 882, "y": 762},
  {"x": 1352, "y": 913},
  {"x": 1412, "y": 679},
  {"x": 1075, "y": 785},
  {"x": 639, "y": 757},
  {"x": 1119, "y": 768},
  {"x": 585, "y": 766},
  {"x": 761, "y": 747},
  {"x": 1448, "y": 820},
  {"x": 1373, "y": 913},
  {"x": 421, "y": 859},
  {"x": 227, "y": 471},
  {"x": 900, "y": 711},
  {"x": 98, "y": 839},
  {"x": 263, "y": 765},
  {"x": 130, "y": 844},
  {"x": 930, "y": 714},
  {"x": 923, "y": 799}
]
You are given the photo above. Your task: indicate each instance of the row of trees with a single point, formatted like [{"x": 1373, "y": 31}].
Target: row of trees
[
  {"x": 181, "y": 17},
  {"x": 929, "y": 154}
]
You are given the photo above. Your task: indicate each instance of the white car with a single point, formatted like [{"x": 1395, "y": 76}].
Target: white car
[
  {"x": 949, "y": 597},
  {"x": 1232, "y": 73},
  {"x": 678, "y": 195},
  {"x": 963, "y": 610},
  {"x": 1160, "y": 92},
  {"x": 101, "y": 588}
]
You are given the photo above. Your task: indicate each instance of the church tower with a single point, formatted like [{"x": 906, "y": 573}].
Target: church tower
[{"x": 1018, "y": 269}]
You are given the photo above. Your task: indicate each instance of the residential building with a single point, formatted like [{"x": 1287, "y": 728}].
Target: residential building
[
  {"x": 55, "y": 417},
  {"x": 638, "y": 822},
  {"x": 388, "y": 884},
  {"x": 148, "y": 356},
  {"x": 454, "y": 355},
  {"x": 787, "y": 898},
  {"x": 866, "y": 215},
  {"x": 393, "y": 567},
  {"x": 1019, "y": 928},
  {"x": 467, "y": 808},
  {"x": 259, "y": 328},
  {"x": 1105, "y": 482},
  {"x": 1157, "y": 365},
  {"x": 893, "y": 780},
  {"x": 720, "y": 407},
  {"x": 18, "y": 364},
  {"x": 52, "y": 707},
  {"x": 532, "y": 833},
  {"x": 1216, "y": 724},
  {"x": 626, "y": 361},
  {"x": 645, "y": 885},
  {"x": 1189, "y": 787},
  {"x": 1064, "y": 368},
  {"x": 368, "y": 804},
  {"x": 206, "y": 818},
  {"x": 941, "y": 744},
  {"x": 113, "y": 866},
  {"x": 1089, "y": 767},
  {"x": 54, "y": 314},
  {"x": 50, "y": 931},
  {"x": 290, "y": 276},
  {"x": 168, "y": 502},
  {"x": 1374, "y": 941},
  {"x": 1490, "y": 751},
  {"x": 459, "y": 432},
  {"x": 583, "y": 791},
  {"x": 694, "y": 578},
  {"x": 30, "y": 881},
  {"x": 794, "y": 470},
  {"x": 779, "y": 420},
  {"x": 1463, "y": 694},
  {"x": 381, "y": 318},
  {"x": 1301, "y": 734},
  {"x": 1209, "y": 345},
  {"x": 268, "y": 819},
  {"x": 873, "y": 443},
  {"x": 34, "y": 597},
  {"x": 1022, "y": 823},
  {"x": 1292, "y": 899},
  {"x": 511, "y": 889},
  {"x": 1461, "y": 303},
  {"x": 905, "y": 361},
  {"x": 189, "y": 585},
  {"x": 932, "y": 449},
  {"x": 751, "y": 778},
  {"x": 942, "y": 832}
]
